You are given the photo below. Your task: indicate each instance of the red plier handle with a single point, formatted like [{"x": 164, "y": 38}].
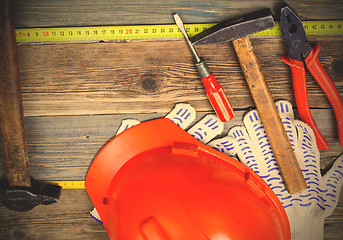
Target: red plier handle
[{"x": 300, "y": 91}]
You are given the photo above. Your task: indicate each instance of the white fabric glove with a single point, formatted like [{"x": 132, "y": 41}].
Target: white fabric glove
[{"x": 306, "y": 210}]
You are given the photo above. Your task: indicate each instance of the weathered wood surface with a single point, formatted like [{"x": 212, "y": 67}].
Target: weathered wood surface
[
  {"x": 32, "y": 13},
  {"x": 69, "y": 220},
  {"x": 75, "y": 95},
  {"x": 151, "y": 76},
  {"x": 63, "y": 147}
]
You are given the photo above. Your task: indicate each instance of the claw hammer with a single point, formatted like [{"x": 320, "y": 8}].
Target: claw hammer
[{"x": 237, "y": 31}]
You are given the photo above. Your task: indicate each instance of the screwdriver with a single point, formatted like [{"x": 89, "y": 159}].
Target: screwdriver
[{"x": 214, "y": 91}]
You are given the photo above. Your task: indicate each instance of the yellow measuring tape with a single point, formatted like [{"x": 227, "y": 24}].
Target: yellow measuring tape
[
  {"x": 115, "y": 33},
  {"x": 68, "y": 184},
  {"x": 121, "y": 33}
]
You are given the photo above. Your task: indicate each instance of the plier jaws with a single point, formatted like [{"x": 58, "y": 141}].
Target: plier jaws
[
  {"x": 301, "y": 53},
  {"x": 294, "y": 35}
]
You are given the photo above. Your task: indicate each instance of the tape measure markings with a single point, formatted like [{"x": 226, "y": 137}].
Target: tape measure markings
[
  {"x": 112, "y": 33},
  {"x": 103, "y": 33},
  {"x": 68, "y": 184},
  {"x": 323, "y": 27}
]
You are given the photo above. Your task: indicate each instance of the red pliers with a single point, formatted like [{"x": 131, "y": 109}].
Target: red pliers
[{"x": 300, "y": 52}]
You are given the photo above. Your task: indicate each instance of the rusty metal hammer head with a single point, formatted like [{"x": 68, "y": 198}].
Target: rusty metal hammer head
[
  {"x": 236, "y": 28},
  {"x": 23, "y": 199}
]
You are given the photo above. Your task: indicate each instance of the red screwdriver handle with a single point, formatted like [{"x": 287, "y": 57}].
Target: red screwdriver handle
[
  {"x": 325, "y": 82},
  {"x": 218, "y": 98},
  {"x": 300, "y": 92}
]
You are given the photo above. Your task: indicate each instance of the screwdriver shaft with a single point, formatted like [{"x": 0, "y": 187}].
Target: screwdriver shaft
[{"x": 179, "y": 23}]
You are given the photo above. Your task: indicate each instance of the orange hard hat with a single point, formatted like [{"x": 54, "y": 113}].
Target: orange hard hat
[{"x": 156, "y": 182}]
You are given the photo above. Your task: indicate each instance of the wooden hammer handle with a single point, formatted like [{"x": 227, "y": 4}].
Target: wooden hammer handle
[
  {"x": 276, "y": 133},
  {"x": 11, "y": 108}
]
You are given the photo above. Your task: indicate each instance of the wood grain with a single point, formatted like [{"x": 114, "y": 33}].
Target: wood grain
[
  {"x": 150, "y": 76},
  {"x": 11, "y": 107},
  {"x": 63, "y": 147},
  {"x": 273, "y": 126},
  {"x": 68, "y": 219},
  {"x": 31, "y": 13}
]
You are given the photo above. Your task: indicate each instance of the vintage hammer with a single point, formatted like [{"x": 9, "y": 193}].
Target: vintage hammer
[
  {"x": 19, "y": 192},
  {"x": 237, "y": 31}
]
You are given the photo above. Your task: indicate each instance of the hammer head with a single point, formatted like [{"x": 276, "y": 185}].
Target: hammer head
[
  {"x": 236, "y": 28},
  {"x": 23, "y": 199}
]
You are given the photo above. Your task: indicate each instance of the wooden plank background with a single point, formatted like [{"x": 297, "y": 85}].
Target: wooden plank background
[
  {"x": 76, "y": 94},
  {"x": 33, "y": 13}
]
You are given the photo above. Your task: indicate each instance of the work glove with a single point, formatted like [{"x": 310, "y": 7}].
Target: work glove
[{"x": 306, "y": 210}]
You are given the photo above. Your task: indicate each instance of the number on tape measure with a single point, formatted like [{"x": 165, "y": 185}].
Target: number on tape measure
[
  {"x": 117, "y": 33},
  {"x": 323, "y": 28}
]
